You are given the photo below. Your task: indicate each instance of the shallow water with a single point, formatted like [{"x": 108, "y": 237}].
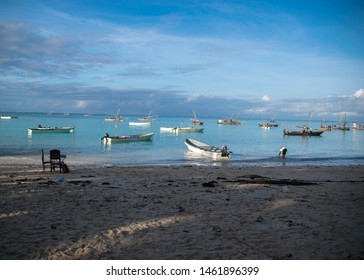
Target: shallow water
[{"x": 251, "y": 144}]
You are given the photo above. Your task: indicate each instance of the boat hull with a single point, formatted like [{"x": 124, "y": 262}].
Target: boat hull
[
  {"x": 181, "y": 129},
  {"x": 140, "y": 123},
  {"x": 70, "y": 129},
  {"x": 207, "y": 150},
  {"x": 128, "y": 138},
  {"x": 302, "y": 133}
]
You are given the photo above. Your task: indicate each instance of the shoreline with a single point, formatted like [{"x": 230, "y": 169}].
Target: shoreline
[{"x": 182, "y": 212}]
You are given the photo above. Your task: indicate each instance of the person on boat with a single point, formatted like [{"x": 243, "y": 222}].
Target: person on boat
[
  {"x": 282, "y": 152},
  {"x": 39, "y": 126},
  {"x": 106, "y": 135}
]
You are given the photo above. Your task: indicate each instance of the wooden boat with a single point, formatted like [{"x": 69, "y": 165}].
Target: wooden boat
[
  {"x": 148, "y": 118},
  {"x": 9, "y": 117},
  {"x": 116, "y": 118},
  {"x": 342, "y": 124},
  {"x": 128, "y": 138},
  {"x": 230, "y": 121},
  {"x": 178, "y": 129},
  {"x": 357, "y": 126},
  {"x": 51, "y": 129},
  {"x": 140, "y": 123},
  {"x": 207, "y": 150},
  {"x": 269, "y": 124},
  {"x": 196, "y": 121},
  {"x": 303, "y": 132}
]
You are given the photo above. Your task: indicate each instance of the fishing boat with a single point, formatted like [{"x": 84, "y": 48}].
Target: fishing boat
[
  {"x": 342, "y": 124},
  {"x": 305, "y": 131},
  {"x": 196, "y": 121},
  {"x": 178, "y": 129},
  {"x": 207, "y": 150},
  {"x": 107, "y": 139},
  {"x": 51, "y": 129},
  {"x": 148, "y": 118},
  {"x": 269, "y": 124},
  {"x": 8, "y": 117},
  {"x": 358, "y": 126},
  {"x": 230, "y": 121},
  {"x": 140, "y": 123},
  {"x": 117, "y": 118}
]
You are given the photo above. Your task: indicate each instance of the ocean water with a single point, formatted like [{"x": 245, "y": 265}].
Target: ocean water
[{"x": 251, "y": 144}]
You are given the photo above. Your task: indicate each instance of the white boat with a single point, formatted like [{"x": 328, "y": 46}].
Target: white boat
[
  {"x": 8, "y": 117},
  {"x": 107, "y": 139},
  {"x": 178, "y": 129},
  {"x": 51, "y": 129},
  {"x": 206, "y": 150},
  {"x": 140, "y": 123},
  {"x": 358, "y": 126}
]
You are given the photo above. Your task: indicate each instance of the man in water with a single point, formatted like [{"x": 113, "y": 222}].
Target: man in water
[{"x": 282, "y": 152}]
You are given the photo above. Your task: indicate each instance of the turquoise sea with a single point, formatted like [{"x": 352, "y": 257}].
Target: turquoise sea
[{"x": 251, "y": 144}]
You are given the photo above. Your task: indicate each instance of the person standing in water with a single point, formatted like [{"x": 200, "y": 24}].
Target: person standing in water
[{"x": 282, "y": 152}]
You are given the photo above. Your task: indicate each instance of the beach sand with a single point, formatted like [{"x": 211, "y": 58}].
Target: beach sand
[{"x": 181, "y": 212}]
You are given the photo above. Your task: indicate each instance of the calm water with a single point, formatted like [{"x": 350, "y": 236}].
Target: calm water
[{"x": 251, "y": 144}]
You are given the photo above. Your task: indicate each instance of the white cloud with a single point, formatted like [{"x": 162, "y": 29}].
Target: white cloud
[
  {"x": 194, "y": 97},
  {"x": 359, "y": 93},
  {"x": 266, "y": 98},
  {"x": 81, "y": 104}
]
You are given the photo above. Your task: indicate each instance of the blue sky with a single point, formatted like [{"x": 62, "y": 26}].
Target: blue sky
[{"x": 256, "y": 58}]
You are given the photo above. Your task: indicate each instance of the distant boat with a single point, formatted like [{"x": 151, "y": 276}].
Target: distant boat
[
  {"x": 66, "y": 114},
  {"x": 51, "y": 129},
  {"x": 207, "y": 150},
  {"x": 116, "y": 118},
  {"x": 140, "y": 123},
  {"x": 269, "y": 124},
  {"x": 148, "y": 118},
  {"x": 107, "y": 140},
  {"x": 178, "y": 129},
  {"x": 230, "y": 121},
  {"x": 196, "y": 121},
  {"x": 342, "y": 124},
  {"x": 87, "y": 114},
  {"x": 324, "y": 126},
  {"x": 305, "y": 131},
  {"x": 9, "y": 117},
  {"x": 357, "y": 126}
]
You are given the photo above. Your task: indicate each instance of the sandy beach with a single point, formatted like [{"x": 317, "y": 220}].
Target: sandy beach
[{"x": 181, "y": 212}]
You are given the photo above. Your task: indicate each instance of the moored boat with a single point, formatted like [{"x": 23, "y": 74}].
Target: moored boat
[
  {"x": 196, "y": 121},
  {"x": 208, "y": 150},
  {"x": 51, "y": 129},
  {"x": 148, "y": 118},
  {"x": 107, "y": 139},
  {"x": 303, "y": 132},
  {"x": 9, "y": 117},
  {"x": 358, "y": 126},
  {"x": 140, "y": 123},
  {"x": 178, "y": 129}
]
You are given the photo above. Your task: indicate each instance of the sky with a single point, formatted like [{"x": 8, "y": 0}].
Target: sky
[{"x": 216, "y": 57}]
